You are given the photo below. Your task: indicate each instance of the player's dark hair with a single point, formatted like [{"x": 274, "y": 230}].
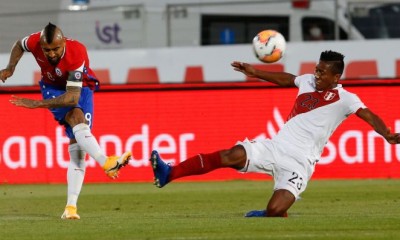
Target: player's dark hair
[
  {"x": 49, "y": 32},
  {"x": 335, "y": 58}
]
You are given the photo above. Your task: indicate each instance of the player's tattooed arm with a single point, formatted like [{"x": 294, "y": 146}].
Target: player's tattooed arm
[
  {"x": 16, "y": 53},
  {"x": 69, "y": 98}
]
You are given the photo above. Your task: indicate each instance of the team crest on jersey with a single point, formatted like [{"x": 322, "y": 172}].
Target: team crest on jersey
[
  {"x": 58, "y": 72},
  {"x": 78, "y": 75},
  {"x": 329, "y": 96}
]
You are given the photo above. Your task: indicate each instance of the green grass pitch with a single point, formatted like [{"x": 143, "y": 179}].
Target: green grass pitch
[{"x": 347, "y": 209}]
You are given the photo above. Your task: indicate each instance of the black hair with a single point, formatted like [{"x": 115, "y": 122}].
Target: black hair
[
  {"x": 49, "y": 32},
  {"x": 335, "y": 58}
]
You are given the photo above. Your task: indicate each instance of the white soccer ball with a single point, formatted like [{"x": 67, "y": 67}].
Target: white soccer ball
[{"x": 269, "y": 46}]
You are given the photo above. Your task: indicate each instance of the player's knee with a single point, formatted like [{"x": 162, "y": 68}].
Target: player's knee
[
  {"x": 75, "y": 117},
  {"x": 234, "y": 157}
]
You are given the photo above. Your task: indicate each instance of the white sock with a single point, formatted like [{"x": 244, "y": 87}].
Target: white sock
[
  {"x": 88, "y": 142},
  {"x": 75, "y": 173}
]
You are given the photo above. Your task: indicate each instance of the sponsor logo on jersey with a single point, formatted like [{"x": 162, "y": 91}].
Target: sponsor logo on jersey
[{"x": 50, "y": 76}]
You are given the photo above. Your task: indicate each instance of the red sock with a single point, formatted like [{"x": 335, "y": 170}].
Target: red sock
[{"x": 200, "y": 164}]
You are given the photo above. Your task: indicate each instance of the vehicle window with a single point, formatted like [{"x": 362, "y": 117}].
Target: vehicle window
[
  {"x": 377, "y": 22},
  {"x": 234, "y": 29},
  {"x": 319, "y": 28}
]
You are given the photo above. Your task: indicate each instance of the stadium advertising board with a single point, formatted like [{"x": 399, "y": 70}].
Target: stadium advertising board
[{"x": 181, "y": 122}]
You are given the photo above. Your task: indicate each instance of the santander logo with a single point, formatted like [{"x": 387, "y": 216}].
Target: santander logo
[{"x": 55, "y": 149}]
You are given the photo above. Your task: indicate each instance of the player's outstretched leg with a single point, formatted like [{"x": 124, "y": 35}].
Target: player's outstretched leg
[
  {"x": 161, "y": 170},
  {"x": 114, "y": 163}
]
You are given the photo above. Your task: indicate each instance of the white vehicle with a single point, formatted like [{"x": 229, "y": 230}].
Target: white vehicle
[{"x": 144, "y": 24}]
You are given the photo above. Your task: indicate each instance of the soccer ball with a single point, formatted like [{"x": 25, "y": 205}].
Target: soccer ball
[{"x": 269, "y": 46}]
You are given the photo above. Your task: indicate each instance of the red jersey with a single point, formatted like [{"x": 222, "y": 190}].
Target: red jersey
[{"x": 74, "y": 58}]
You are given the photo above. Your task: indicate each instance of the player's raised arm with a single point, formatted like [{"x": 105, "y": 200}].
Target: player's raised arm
[
  {"x": 280, "y": 78},
  {"x": 378, "y": 125},
  {"x": 16, "y": 53}
]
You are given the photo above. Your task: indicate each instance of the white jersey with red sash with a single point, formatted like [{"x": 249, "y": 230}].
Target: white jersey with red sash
[{"x": 315, "y": 116}]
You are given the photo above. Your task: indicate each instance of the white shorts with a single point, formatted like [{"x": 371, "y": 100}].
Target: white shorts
[{"x": 289, "y": 172}]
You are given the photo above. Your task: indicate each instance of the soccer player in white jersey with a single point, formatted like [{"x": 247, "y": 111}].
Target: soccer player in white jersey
[{"x": 322, "y": 104}]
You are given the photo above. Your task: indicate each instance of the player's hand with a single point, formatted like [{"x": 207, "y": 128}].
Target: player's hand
[
  {"x": 24, "y": 102},
  {"x": 244, "y": 68},
  {"x": 4, "y": 74},
  {"x": 392, "y": 138}
]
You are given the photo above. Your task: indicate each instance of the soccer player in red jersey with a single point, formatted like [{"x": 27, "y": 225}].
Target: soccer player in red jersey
[
  {"x": 322, "y": 104},
  {"x": 67, "y": 87}
]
